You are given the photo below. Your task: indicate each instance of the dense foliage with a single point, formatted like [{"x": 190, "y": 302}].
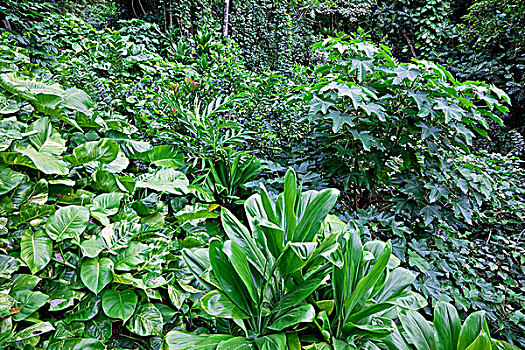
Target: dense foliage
[{"x": 175, "y": 178}]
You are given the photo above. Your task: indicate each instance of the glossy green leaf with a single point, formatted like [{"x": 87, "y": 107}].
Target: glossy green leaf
[
  {"x": 36, "y": 249},
  {"x": 419, "y": 330},
  {"x": 96, "y": 274},
  {"x": 146, "y": 321},
  {"x": 119, "y": 304},
  {"x": 303, "y": 313},
  {"x": 176, "y": 340},
  {"x": 217, "y": 303},
  {"x": 104, "y": 151},
  {"x": 447, "y": 325},
  {"x": 67, "y": 222}
]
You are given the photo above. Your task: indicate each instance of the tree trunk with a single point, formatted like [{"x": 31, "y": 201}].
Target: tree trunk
[{"x": 225, "y": 21}]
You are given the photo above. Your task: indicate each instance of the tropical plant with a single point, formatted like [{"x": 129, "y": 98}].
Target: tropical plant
[
  {"x": 262, "y": 276},
  {"x": 227, "y": 176},
  {"x": 445, "y": 333},
  {"x": 367, "y": 289}
]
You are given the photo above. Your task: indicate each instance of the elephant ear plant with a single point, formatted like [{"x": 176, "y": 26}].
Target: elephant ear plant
[
  {"x": 262, "y": 277},
  {"x": 445, "y": 333}
]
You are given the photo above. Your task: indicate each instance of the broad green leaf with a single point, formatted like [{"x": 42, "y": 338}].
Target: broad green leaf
[
  {"x": 218, "y": 304},
  {"x": 45, "y": 138},
  {"x": 91, "y": 248},
  {"x": 146, "y": 321},
  {"x": 176, "y": 340},
  {"x": 228, "y": 279},
  {"x": 9, "y": 179},
  {"x": 447, "y": 325},
  {"x": 104, "y": 151},
  {"x": 77, "y": 344},
  {"x": 482, "y": 342},
  {"x": 67, "y": 222},
  {"x": 164, "y": 180},
  {"x": 238, "y": 343},
  {"x": 271, "y": 342},
  {"x": 96, "y": 274},
  {"x": 36, "y": 249},
  {"x": 130, "y": 257},
  {"x": 85, "y": 310},
  {"x": 473, "y": 327},
  {"x": 33, "y": 331},
  {"x": 45, "y": 162},
  {"x": 419, "y": 330},
  {"x": 164, "y": 155},
  {"x": 30, "y": 302},
  {"x": 100, "y": 328},
  {"x": 303, "y": 313},
  {"x": 119, "y": 304}
]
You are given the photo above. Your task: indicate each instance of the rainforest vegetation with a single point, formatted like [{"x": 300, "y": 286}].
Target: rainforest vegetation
[{"x": 262, "y": 174}]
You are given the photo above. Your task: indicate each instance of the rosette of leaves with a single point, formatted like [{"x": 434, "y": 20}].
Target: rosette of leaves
[
  {"x": 261, "y": 277},
  {"x": 445, "y": 332}
]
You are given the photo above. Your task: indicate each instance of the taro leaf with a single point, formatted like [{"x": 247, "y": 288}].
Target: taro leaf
[
  {"x": 119, "y": 304},
  {"x": 9, "y": 179},
  {"x": 31, "y": 302},
  {"x": 36, "y": 249},
  {"x": 96, "y": 274},
  {"x": 64, "y": 330},
  {"x": 272, "y": 342},
  {"x": 40, "y": 193},
  {"x": 33, "y": 331},
  {"x": 184, "y": 341},
  {"x": 8, "y": 265},
  {"x": 195, "y": 212},
  {"x": 62, "y": 297},
  {"x": 30, "y": 212},
  {"x": 133, "y": 255},
  {"x": 166, "y": 311},
  {"x": 99, "y": 328},
  {"x": 6, "y": 304},
  {"x": 77, "y": 344},
  {"x": 67, "y": 222},
  {"x": 164, "y": 180},
  {"x": 146, "y": 321},
  {"x": 76, "y": 100},
  {"x": 103, "y": 150},
  {"x": 85, "y": 310},
  {"x": 117, "y": 166},
  {"x": 45, "y": 138},
  {"x": 118, "y": 235},
  {"x": 164, "y": 155},
  {"x": 106, "y": 203},
  {"x": 23, "y": 281},
  {"x": 303, "y": 313},
  {"x": 91, "y": 248},
  {"x": 45, "y": 162},
  {"x": 106, "y": 181}
]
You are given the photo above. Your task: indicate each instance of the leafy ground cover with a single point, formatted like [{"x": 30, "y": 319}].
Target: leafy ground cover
[{"x": 155, "y": 193}]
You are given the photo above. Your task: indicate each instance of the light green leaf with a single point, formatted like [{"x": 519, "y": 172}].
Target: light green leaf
[
  {"x": 96, "y": 274},
  {"x": 119, "y": 304},
  {"x": 36, "y": 249},
  {"x": 146, "y": 321},
  {"x": 67, "y": 222}
]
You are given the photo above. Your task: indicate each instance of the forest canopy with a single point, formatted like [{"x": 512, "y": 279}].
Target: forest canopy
[{"x": 262, "y": 174}]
